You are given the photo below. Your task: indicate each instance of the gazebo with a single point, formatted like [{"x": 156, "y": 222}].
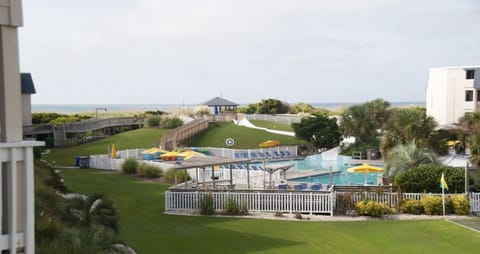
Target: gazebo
[{"x": 222, "y": 106}]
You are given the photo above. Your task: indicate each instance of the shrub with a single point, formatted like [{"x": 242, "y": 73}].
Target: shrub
[
  {"x": 154, "y": 121},
  {"x": 181, "y": 177},
  {"x": 232, "y": 208},
  {"x": 243, "y": 210},
  {"x": 206, "y": 204},
  {"x": 411, "y": 206},
  {"x": 372, "y": 208},
  {"x": 149, "y": 171},
  {"x": 460, "y": 204},
  {"x": 130, "y": 166},
  {"x": 278, "y": 214},
  {"x": 298, "y": 216},
  {"x": 344, "y": 203},
  {"x": 171, "y": 122},
  {"x": 432, "y": 205},
  {"x": 426, "y": 178}
]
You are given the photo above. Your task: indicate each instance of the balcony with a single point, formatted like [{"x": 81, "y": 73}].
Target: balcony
[{"x": 18, "y": 223}]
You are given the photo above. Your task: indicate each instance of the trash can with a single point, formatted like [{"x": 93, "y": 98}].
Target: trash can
[
  {"x": 77, "y": 161},
  {"x": 83, "y": 161}
]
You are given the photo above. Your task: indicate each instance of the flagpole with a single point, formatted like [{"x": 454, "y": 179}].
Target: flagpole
[{"x": 443, "y": 199}]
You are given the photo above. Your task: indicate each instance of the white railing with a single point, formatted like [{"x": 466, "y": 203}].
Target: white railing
[
  {"x": 291, "y": 202},
  {"x": 475, "y": 202},
  {"x": 16, "y": 160},
  {"x": 258, "y": 179},
  {"x": 248, "y": 153},
  {"x": 284, "y": 119},
  {"x": 286, "y": 201}
]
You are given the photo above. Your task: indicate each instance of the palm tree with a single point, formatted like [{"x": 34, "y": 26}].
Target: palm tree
[
  {"x": 363, "y": 121},
  {"x": 93, "y": 209},
  {"x": 404, "y": 157},
  {"x": 406, "y": 125}
]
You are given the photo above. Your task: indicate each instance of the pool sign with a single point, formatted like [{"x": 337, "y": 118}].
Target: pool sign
[{"x": 229, "y": 141}]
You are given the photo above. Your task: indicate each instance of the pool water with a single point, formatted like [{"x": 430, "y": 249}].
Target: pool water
[{"x": 341, "y": 163}]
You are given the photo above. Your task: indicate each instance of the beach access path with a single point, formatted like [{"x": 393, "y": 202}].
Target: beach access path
[{"x": 246, "y": 123}]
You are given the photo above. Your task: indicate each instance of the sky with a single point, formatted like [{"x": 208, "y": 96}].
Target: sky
[{"x": 189, "y": 51}]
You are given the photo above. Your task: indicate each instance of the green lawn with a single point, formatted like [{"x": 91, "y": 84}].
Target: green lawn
[
  {"x": 244, "y": 137},
  {"x": 140, "y": 138},
  {"x": 272, "y": 125},
  {"x": 144, "y": 227}
]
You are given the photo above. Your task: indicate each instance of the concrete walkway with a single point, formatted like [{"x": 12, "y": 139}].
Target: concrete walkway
[{"x": 246, "y": 123}]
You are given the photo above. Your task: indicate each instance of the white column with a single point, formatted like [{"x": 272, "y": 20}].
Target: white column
[
  {"x": 12, "y": 202},
  {"x": 29, "y": 235}
]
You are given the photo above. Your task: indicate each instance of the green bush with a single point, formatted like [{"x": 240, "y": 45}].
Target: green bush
[
  {"x": 426, "y": 178},
  {"x": 372, "y": 208},
  {"x": 243, "y": 210},
  {"x": 411, "y": 206},
  {"x": 149, "y": 171},
  {"x": 460, "y": 204},
  {"x": 232, "y": 207},
  {"x": 432, "y": 205},
  {"x": 206, "y": 204},
  {"x": 154, "y": 121},
  {"x": 171, "y": 123},
  {"x": 181, "y": 177},
  {"x": 130, "y": 166}
]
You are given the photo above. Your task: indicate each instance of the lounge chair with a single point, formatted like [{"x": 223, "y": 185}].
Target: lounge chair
[
  {"x": 316, "y": 187},
  {"x": 277, "y": 154},
  {"x": 283, "y": 186},
  {"x": 268, "y": 155},
  {"x": 298, "y": 187},
  {"x": 288, "y": 154},
  {"x": 253, "y": 155},
  {"x": 283, "y": 154},
  {"x": 236, "y": 155},
  {"x": 261, "y": 155},
  {"x": 245, "y": 155}
]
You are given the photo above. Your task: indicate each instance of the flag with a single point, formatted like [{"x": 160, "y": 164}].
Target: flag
[{"x": 443, "y": 183}]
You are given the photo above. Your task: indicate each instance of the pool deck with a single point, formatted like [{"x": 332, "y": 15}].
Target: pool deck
[
  {"x": 371, "y": 162},
  {"x": 295, "y": 174}
]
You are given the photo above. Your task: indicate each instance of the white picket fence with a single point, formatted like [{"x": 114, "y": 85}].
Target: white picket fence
[
  {"x": 291, "y": 202},
  {"x": 303, "y": 202},
  {"x": 475, "y": 202}
]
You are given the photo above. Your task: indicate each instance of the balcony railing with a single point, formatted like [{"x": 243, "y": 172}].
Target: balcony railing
[{"x": 18, "y": 193}]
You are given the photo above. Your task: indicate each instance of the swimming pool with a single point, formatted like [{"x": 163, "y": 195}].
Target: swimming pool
[{"x": 341, "y": 163}]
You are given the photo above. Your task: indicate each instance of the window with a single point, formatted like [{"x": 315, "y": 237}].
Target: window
[
  {"x": 478, "y": 95},
  {"x": 469, "y": 95},
  {"x": 470, "y": 74}
]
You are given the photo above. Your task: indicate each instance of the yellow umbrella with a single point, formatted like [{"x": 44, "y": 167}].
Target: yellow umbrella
[
  {"x": 189, "y": 154},
  {"x": 453, "y": 142},
  {"x": 170, "y": 156},
  {"x": 365, "y": 169},
  {"x": 269, "y": 143},
  {"x": 113, "y": 152},
  {"x": 154, "y": 150}
]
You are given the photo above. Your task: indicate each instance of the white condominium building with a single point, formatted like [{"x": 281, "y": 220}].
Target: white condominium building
[{"x": 452, "y": 92}]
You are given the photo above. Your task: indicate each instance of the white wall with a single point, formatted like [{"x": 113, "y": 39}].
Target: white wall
[{"x": 446, "y": 93}]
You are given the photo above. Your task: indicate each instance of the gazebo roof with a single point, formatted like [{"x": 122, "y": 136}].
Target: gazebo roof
[
  {"x": 27, "y": 83},
  {"x": 218, "y": 101}
]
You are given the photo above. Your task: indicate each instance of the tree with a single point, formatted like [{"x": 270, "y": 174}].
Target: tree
[
  {"x": 402, "y": 158},
  {"x": 318, "y": 129},
  {"x": 93, "y": 209},
  {"x": 363, "y": 121},
  {"x": 405, "y": 125},
  {"x": 426, "y": 178},
  {"x": 272, "y": 106},
  {"x": 469, "y": 129}
]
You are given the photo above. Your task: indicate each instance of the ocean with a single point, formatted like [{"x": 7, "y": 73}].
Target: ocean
[{"x": 83, "y": 108}]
